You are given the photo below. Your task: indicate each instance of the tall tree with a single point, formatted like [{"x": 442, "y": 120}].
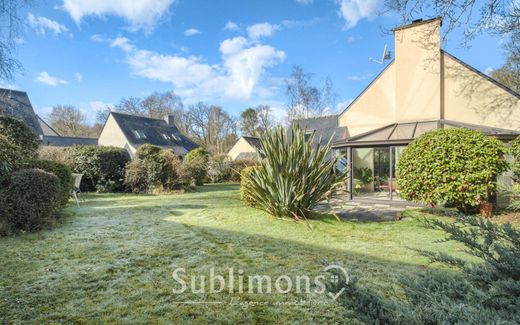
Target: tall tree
[
  {"x": 249, "y": 121},
  {"x": 156, "y": 105},
  {"x": 508, "y": 75},
  {"x": 265, "y": 117},
  {"x": 304, "y": 99},
  {"x": 68, "y": 120},
  {"x": 10, "y": 16}
]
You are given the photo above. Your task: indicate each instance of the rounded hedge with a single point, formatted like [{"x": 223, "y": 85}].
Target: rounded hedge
[
  {"x": 136, "y": 179},
  {"x": 103, "y": 168},
  {"x": 457, "y": 167},
  {"x": 18, "y": 144},
  {"x": 63, "y": 173},
  {"x": 196, "y": 164},
  {"x": 31, "y": 200}
]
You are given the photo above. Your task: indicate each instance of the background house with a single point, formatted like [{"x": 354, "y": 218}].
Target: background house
[
  {"x": 423, "y": 89},
  {"x": 16, "y": 103},
  {"x": 131, "y": 132},
  {"x": 246, "y": 148}
]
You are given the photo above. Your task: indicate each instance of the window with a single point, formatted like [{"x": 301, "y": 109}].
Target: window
[
  {"x": 139, "y": 134},
  {"x": 166, "y": 136},
  {"x": 175, "y": 137}
]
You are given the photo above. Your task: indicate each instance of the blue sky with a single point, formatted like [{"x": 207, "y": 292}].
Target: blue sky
[{"x": 91, "y": 53}]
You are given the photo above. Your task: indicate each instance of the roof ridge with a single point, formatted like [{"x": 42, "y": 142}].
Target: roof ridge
[
  {"x": 139, "y": 116},
  {"x": 316, "y": 117}
]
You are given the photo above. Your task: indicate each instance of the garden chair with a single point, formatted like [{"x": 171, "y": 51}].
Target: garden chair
[{"x": 75, "y": 188}]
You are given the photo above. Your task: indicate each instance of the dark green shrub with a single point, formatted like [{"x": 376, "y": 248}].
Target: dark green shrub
[
  {"x": 17, "y": 145},
  {"x": 136, "y": 179},
  {"x": 147, "y": 151},
  {"x": 515, "y": 152},
  {"x": 30, "y": 201},
  {"x": 457, "y": 167},
  {"x": 245, "y": 186},
  {"x": 63, "y": 173},
  {"x": 219, "y": 168},
  {"x": 103, "y": 167},
  {"x": 174, "y": 176},
  {"x": 294, "y": 176},
  {"x": 196, "y": 164},
  {"x": 486, "y": 292}
]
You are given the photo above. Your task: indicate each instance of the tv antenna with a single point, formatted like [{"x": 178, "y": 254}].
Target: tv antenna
[{"x": 386, "y": 56}]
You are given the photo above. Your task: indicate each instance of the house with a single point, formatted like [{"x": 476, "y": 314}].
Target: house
[
  {"x": 131, "y": 131},
  {"x": 246, "y": 148},
  {"x": 424, "y": 88},
  {"x": 16, "y": 103}
]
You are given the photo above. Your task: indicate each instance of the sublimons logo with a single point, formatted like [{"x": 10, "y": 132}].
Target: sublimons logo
[{"x": 235, "y": 281}]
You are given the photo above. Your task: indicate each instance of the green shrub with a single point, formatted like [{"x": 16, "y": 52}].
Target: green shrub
[
  {"x": 457, "y": 167},
  {"x": 147, "y": 151},
  {"x": 485, "y": 291},
  {"x": 57, "y": 154},
  {"x": 63, "y": 173},
  {"x": 196, "y": 164},
  {"x": 238, "y": 166},
  {"x": 30, "y": 201},
  {"x": 245, "y": 186},
  {"x": 514, "y": 149},
  {"x": 174, "y": 176},
  {"x": 103, "y": 167},
  {"x": 219, "y": 168},
  {"x": 136, "y": 179},
  {"x": 294, "y": 176},
  {"x": 17, "y": 145}
]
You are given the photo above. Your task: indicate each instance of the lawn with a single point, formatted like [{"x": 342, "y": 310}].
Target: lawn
[{"x": 111, "y": 260}]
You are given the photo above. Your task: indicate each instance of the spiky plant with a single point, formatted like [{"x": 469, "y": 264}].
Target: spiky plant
[{"x": 294, "y": 175}]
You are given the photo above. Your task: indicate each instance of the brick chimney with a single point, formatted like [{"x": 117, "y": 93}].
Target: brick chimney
[{"x": 170, "y": 119}]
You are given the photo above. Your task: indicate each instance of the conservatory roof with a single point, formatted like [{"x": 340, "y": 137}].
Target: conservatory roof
[{"x": 404, "y": 132}]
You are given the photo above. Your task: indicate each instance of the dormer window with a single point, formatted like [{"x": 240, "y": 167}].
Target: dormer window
[
  {"x": 139, "y": 134},
  {"x": 175, "y": 137},
  {"x": 166, "y": 136}
]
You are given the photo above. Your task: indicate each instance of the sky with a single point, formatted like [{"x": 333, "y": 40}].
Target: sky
[{"x": 237, "y": 54}]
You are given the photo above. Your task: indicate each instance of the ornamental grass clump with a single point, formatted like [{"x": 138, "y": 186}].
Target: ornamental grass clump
[{"x": 294, "y": 176}]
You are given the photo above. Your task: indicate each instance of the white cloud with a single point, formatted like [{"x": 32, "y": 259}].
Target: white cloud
[
  {"x": 261, "y": 30},
  {"x": 42, "y": 24},
  {"x": 355, "y": 10},
  {"x": 352, "y": 38},
  {"x": 140, "y": 14},
  {"x": 98, "y": 38},
  {"x": 305, "y": 2},
  {"x": 231, "y": 26},
  {"x": 237, "y": 76},
  {"x": 46, "y": 79},
  {"x": 359, "y": 77},
  {"x": 192, "y": 32},
  {"x": 488, "y": 70},
  {"x": 92, "y": 108},
  {"x": 79, "y": 77}
]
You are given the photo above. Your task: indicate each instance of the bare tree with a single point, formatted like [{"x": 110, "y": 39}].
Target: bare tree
[
  {"x": 256, "y": 120},
  {"x": 304, "y": 99},
  {"x": 11, "y": 23},
  {"x": 508, "y": 74},
  {"x": 68, "y": 120},
  {"x": 156, "y": 105}
]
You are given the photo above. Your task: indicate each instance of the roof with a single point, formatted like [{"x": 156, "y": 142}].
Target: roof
[
  {"x": 59, "y": 141},
  {"x": 46, "y": 128},
  {"x": 16, "y": 103},
  {"x": 405, "y": 132},
  {"x": 417, "y": 22},
  {"x": 253, "y": 142},
  {"x": 325, "y": 128},
  {"x": 156, "y": 131}
]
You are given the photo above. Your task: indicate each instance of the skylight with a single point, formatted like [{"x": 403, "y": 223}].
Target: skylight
[
  {"x": 175, "y": 137},
  {"x": 166, "y": 136},
  {"x": 139, "y": 134}
]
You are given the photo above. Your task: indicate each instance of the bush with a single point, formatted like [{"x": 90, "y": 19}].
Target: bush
[
  {"x": 219, "y": 169},
  {"x": 238, "y": 166},
  {"x": 57, "y": 154},
  {"x": 486, "y": 291},
  {"x": 18, "y": 144},
  {"x": 103, "y": 167},
  {"x": 294, "y": 176},
  {"x": 456, "y": 167},
  {"x": 196, "y": 164},
  {"x": 514, "y": 149},
  {"x": 136, "y": 179},
  {"x": 245, "y": 186},
  {"x": 63, "y": 173},
  {"x": 155, "y": 169},
  {"x": 30, "y": 201}
]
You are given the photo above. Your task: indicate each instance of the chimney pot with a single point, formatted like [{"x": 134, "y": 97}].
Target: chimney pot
[{"x": 170, "y": 119}]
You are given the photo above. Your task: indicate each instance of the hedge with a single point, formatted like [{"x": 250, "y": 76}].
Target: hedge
[
  {"x": 18, "y": 144},
  {"x": 63, "y": 173}
]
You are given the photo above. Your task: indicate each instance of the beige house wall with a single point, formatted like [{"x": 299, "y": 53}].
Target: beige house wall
[
  {"x": 111, "y": 135},
  {"x": 242, "y": 146},
  {"x": 471, "y": 98},
  {"x": 374, "y": 108}
]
